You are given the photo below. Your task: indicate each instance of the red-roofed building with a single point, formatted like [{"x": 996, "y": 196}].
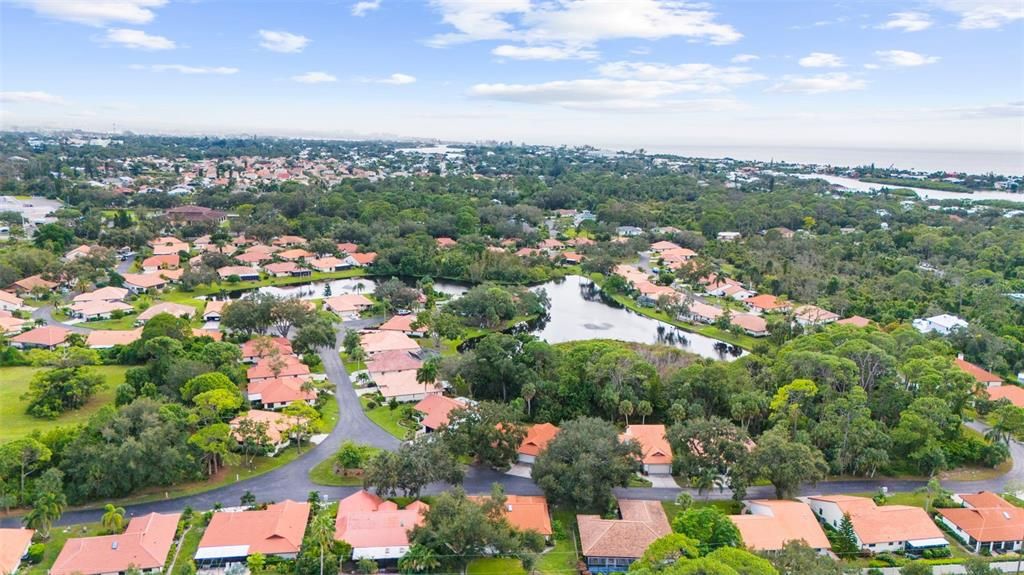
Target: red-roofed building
[
  {"x": 142, "y": 283},
  {"x": 164, "y": 262},
  {"x": 754, "y": 325},
  {"x": 403, "y": 323},
  {"x": 986, "y": 522},
  {"x": 856, "y": 321},
  {"x": 376, "y": 529},
  {"x": 259, "y": 347},
  {"x": 537, "y": 438},
  {"x": 107, "y": 338},
  {"x": 273, "y": 367},
  {"x": 880, "y": 528},
  {"x": 286, "y": 269},
  {"x": 14, "y": 544},
  {"x": 1012, "y": 393},
  {"x": 347, "y": 305},
  {"x": 403, "y": 387},
  {"x": 31, "y": 283},
  {"x": 767, "y": 303},
  {"x": 47, "y": 337},
  {"x": 280, "y": 392},
  {"x": 327, "y": 264},
  {"x": 295, "y": 254},
  {"x": 232, "y": 536},
  {"x": 656, "y": 453},
  {"x": 525, "y": 512},
  {"x": 612, "y": 545},
  {"x": 988, "y": 379},
  {"x": 361, "y": 260},
  {"x": 445, "y": 243},
  {"x": 771, "y": 524},
  {"x": 397, "y": 360},
  {"x": 144, "y": 545},
  {"x": 243, "y": 273},
  {"x": 348, "y": 248},
  {"x": 434, "y": 410}
]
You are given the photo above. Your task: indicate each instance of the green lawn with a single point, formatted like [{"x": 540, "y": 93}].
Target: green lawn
[
  {"x": 182, "y": 296},
  {"x": 187, "y": 550},
  {"x": 14, "y": 383},
  {"x": 59, "y": 536},
  {"x": 562, "y": 557},
  {"x": 388, "y": 419},
  {"x": 323, "y": 474},
  {"x": 495, "y": 566},
  {"x": 727, "y": 506},
  {"x": 124, "y": 323}
]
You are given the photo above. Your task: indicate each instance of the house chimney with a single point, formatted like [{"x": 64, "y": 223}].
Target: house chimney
[{"x": 114, "y": 545}]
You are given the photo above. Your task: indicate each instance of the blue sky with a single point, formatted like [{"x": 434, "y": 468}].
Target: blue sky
[{"x": 929, "y": 74}]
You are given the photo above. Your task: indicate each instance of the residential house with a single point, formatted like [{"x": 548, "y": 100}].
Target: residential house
[
  {"x": 650, "y": 293},
  {"x": 358, "y": 260},
  {"x": 551, "y": 246},
  {"x": 374, "y": 342},
  {"x": 403, "y": 323},
  {"x": 327, "y": 264},
  {"x": 1012, "y": 393},
  {"x": 571, "y": 258},
  {"x": 278, "y": 425},
  {"x": 295, "y": 254},
  {"x": 214, "y": 309},
  {"x": 628, "y": 231},
  {"x": 280, "y": 392},
  {"x": 395, "y": 360},
  {"x": 770, "y": 524},
  {"x": 243, "y": 273},
  {"x": 172, "y": 276},
  {"x": 612, "y": 545},
  {"x": 986, "y": 378},
  {"x": 10, "y": 325},
  {"x": 109, "y": 293},
  {"x": 93, "y": 310},
  {"x": 729, "y": 236},
  {"x": 14, "y": 544},
  {"x": 273, "y": 367},
  {"x": 168, "y": 245},
  {"x": 175, "y": 309},
  {"x": 253, "y": 257},
  {"x": 524, "y": 512},
  {"x": 703, "y": 313},
  {"x": 537, "y": 438},
  {"x": 655, "y": 452},
  {"x": 256, "y": 348},
  {"x": 77, "y": 252},
  {"x": 108, "y": 338},
  {"x": 445, "y": 243},
  {"x": 144, "y": 546},
  {"x": 164, "y": 262},
  {"x": 878, "y": 529},
  {"x": 289, "y": 241},
  {"x": 434, "y": 410},
  {"x": 808, "y": 315},
  {"x": 751, "y": 324},
  {"x": 232, "y": 536},
  {"x": 578, "y": 242},
  {"x": 986, "y": 522},
  {"x": 941, "y": 324},
  {"x": 143, "y": 283},
  {"x": 286, "y": 269},
  {"x": 45, "y": 337},
  {"x": 403, "y": 387},
  {"x": 663, "y": 245},
  {"x": 32, "y": 283},
  {"x": 347, "y": 248},
  {"x": 630, "y": 273},
  {"x": 855, "y": 320},
  {"x": 767, "y": 303},
  {"x": 376, "y": 529},
  {"x": 10, "y": 302},
  {"x": 347, "y": 305}
]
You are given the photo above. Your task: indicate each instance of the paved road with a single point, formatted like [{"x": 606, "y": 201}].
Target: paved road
[
  {"x": 124, "y": 266},
  {"x": 45, "y": 313}
]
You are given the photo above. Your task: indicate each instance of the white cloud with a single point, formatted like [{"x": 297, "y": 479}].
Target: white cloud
[
  {"x": 904, "y": 58},
  {"x": 396, "y": 79},
  {"x": 184, "y": 69},
  {"x": 983, "y": 14},
  {"x": 821, "y": 60},
  {"x": 96, "y": 12},
  {"x": 582, "y": 23},
  {"x": 744, "y": 58},
  {"x": 543, "y": 52},
  {"x": 1007, "y": 110},
  {"x": 34, "y": 97},
  {"x": 640, "y": 50},
  {"x": 820, "y": 84},
  {"x": 279, "y": 41},
  {"x": 871, "y": 66},
  {"x": 138, "y": 39},
  {"x": 685, "y": 77},
  {"x": 314, "y": 78},
  {"x": 361, "y": 8},
  {"x": 907, "y": 21}
]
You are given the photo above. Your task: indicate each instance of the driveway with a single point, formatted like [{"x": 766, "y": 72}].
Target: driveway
[{"x": 45, "y": 313}]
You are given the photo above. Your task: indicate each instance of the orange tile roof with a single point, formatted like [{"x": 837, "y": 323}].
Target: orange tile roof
[
  {"x": 399, "y": 383},
  {"x": 328, "y": 262},
  {"x": 287, "y": 365},
  {"x": 295, "y": 254},
  {"x": 378, "y": 341},
  {"x": 365, "y": 520},
  {"x": 251, "y": 348},
  {"x": 653, "y": 445},
  {"x": 348, "y": 247},
  {"x": 766, "y": 302},
  {"x": 175, "y": 309},
  {"x": 278, "y": 424},
  {"x": 112, "y": 337},
  {"x": 398, "y": 360},
  {"x": 144, "y": 280},
  {"x": 9, "y": 324},
  {"x": 281, "y": 267},
  {"x": 11, "y": 298},
  {"x": 100, "y": 307},
  {"x": 215, "y": 306},
  {"x": 749, "y": 322},
  {"x": 884, "y": 524},
  {"x": 664, "y": 245},
  {"x": 143, "y": 545},
  {"x": 32, "y": 282},
  {"x": 278, "y": 529},
  {"x": 281, "y": 389},
  {"x": 435, "y": 410},
  {"x": 977, "y": 372},
  {"x": 364, "y": 259},
  {"x": 642, "y": 523},
  {"x": 13, "y": 544},
  {"x": 983, "y": 499},
  {"x": 164, "y": 260},
  {"x": 49, "y": 335},
  {"x": 991, "y": 518},
  {"x": 525, "y": 512},
  {"x": 109, "y": 293},
  {"x": 855, "y": 320},
  {"x": 783, "y": 522},
  {"x": 537, "y": 438},
  {"x": 401, "y": 323},
  {"x": 1013, "y": 393},
  {"x": 347, "y": 302}
]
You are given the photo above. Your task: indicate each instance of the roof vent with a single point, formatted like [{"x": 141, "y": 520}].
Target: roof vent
[
  {"x": 1006, "y": 515},
  {"x": 113, "y": 545},
  {"x": 509, "y": 507}
]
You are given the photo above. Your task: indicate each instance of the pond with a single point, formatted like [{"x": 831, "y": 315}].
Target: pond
[
  {"x": 580, "y": 311},
  {"x": 923, "y": 193},
  {"x": 359, "y": 285}
]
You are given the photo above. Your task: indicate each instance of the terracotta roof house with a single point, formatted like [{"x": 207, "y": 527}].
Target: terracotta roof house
[
  {"x": 175, "y": 309},
  {"x": 754, "y": 325},
  {"x": 880, "y": 528},
  {"x": 537, "y": 438},
  {"x": 214, "y": 309},
  {"x": 77, "y": 252},
  {"x": 771, "y": 524},
  {"x": 214, "y": 334},
  {"x": 374, "y": 342},
  {"x": 813, "y": 315},
  {"x": 525, "y": 512},
  {"x": 252, "y": 350},
  {"x": 663, "y": 245},
  {"x": 90, "y": 310},
  {"x": 855, "y": 320},
  {"x": 109, "y": 293},
  {"x": 361, "y": 260},
  {"x": 376, "y": 529},
  {"x": 32, "y": 282},
  {"x": 987, "y": 378},
  {"x": 278, "y": 425},
  {"x": 766, "y": 303},
  {"x": 286, "y": 269},
  {"x": 154, "y": 263},
  {"x": 232, "y": 536},
  {"x": 1012, "y": 393},
  {"x": 289, "y": 241},
  {"x": 445, "y": 243},
  {"x": 347, "y": 248},
  {"x": 279, "y": 392},
  {"x": 142, "y": 283},
  {"x": 254, "y": 257},
  {"x": 327, "y": 264},
  {"x": 985, "y": 522},
  {"x": 144, "y": 545},
  {"x": 403, "y": 323},
  {"x": 14, "y": 544},
  {"x": 403, "y": 387},
  {"x": 398, "y": 360},
  {"x": 48, "y": 337},
  {"x": 347, "y": 304},
  {"x": 571, "y": 258},
  {"x": 107, "y": 338},
  {"x": 169, "y": 246},
  {"x": 11, "y": 325},
  {"x": 194, "y": 214},
  {"x": 703, "y": 313},
  {"x": 282, "y": 366},
  {"x": 434, "y": 410},
  {"x": 244, "y": 273},
  {"x": 10, "y": 302},
  {"x": 612, "y": 545},
  {"x": 656, "y": 452}
]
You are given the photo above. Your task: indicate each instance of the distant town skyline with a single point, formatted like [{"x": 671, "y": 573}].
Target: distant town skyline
[{"x": 928, "y": 75}]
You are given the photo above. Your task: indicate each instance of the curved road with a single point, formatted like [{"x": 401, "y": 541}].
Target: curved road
[{"x": 292, "y": 481}]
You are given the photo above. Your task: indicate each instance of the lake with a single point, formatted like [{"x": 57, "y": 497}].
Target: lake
[{"x": 924, "y": 194}]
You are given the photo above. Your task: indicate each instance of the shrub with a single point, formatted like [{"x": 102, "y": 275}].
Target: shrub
[{"x": 35, "y": 553}]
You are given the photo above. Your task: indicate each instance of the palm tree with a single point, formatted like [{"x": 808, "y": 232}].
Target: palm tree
[
  {"x": 113, "y": 518},
  {"x": 419, "y": 559},
  {"x": 359, "y": 287},
  {"x": 626, "y": 409},
  {"x": 529, "y": 392},
  {"x": 644, "y": 408},
  {"x": 427, "y": 374},
  {"x": 46, "y": 509},
  {"x": 321, "y": 532}
]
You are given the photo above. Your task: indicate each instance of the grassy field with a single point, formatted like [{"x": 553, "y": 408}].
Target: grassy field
[
  {"x": 387, "y": 418},
  {"x": 562, "y": 557},
  {"x": 323, "y": 474},
  {"x": 187, "y": 550},
  {"x": 59, "y": 536},
  {"x": 124, "y": 323},
  {"x": 14, "y": 383},
  {"x": 495, "y": 566}
]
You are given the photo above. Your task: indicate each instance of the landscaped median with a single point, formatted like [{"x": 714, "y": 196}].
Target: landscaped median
[{"x": 396, "y": 420}]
